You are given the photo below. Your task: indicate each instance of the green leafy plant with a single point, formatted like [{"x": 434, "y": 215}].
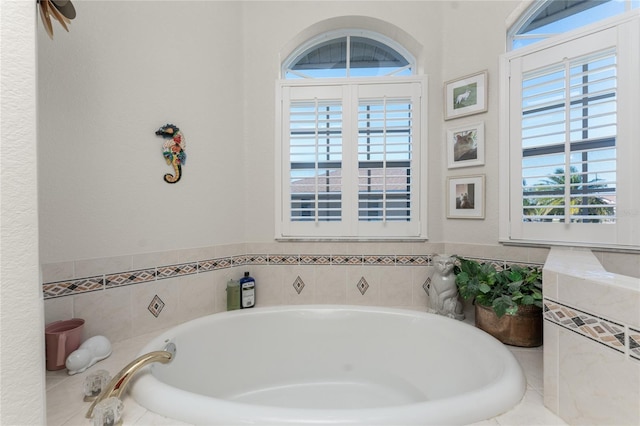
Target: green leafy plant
[{"x": 503, "y": 290}]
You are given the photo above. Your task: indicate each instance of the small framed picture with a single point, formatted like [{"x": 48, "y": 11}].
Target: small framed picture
[
  {"x": 465, "y": 146},
  {"x": 465, "y": 197},
  {"x": 465, "y": 96}
]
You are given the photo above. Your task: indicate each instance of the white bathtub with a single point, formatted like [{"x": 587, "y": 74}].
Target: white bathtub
[{"x": 330, "y": 365}]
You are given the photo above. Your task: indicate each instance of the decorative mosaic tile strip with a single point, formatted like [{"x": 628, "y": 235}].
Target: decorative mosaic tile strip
[
  {"x": 363, "y": 286},
  {"x": 257, "y": 259},
  {"x": 315, "y": 259},
  {"x": 413, "y": 260},
  {"x": 298, "y": 284},
  {"x": 603, "y": 331},
  {"x": 117, "y": 279},
  {"x": 213, "y": 264},
  {"x": 66, "y": 288},
  {"x": 127, "y": 278},
  {"x": 156, "y": 306},
  {"x": 379, "y": 260},
  {"x": 634, "y": 343},
  {"x": 238, "y": 260},
  {"x": 177, "y": 270},
  {"x": 351, "y": 259},
  {"x": 284, "y": 259}
]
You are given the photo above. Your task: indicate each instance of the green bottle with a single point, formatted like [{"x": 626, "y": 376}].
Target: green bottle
[{"x": 233, "y": 294}]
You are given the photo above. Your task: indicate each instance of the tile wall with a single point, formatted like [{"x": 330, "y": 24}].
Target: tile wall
[
  {"x": 127, "y": 296},
  {"x": 591, "y": 340}
]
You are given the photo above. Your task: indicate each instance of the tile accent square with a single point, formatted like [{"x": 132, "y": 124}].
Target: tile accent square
[
  {"x": 156, "y": 306},
  {"x": 427, "y": 285},
  {"x": 298, "y": 284},
  {"x": 363, "y": 286}
]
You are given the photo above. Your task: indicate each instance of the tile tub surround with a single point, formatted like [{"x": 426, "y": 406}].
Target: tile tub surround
[
  {"x": 66, "y": 408},
  {"x": 127, "y": 296},
  {"x": 592, "y": 332}
]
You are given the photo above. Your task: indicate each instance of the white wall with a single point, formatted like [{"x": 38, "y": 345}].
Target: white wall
[
  {"x": 211, "y": 68},
  {"x": 21, "y": 307},
  {"x": 473, "y": 39},
  {"x": 124, "y": 70}
]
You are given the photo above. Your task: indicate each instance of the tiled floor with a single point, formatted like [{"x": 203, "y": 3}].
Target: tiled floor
[{"x": 65, "y": 406}]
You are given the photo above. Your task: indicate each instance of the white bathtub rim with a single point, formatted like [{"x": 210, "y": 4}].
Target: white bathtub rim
[{"x": 467, "y": 407}]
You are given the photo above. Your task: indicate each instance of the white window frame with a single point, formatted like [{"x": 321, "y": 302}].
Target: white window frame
[
  {"x": 351, "y": 228},
  {"x": 624, "y": 31},
  {"x": 332, "y": 35}
]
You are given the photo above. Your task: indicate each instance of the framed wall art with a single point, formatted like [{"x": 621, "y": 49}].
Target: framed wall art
[
  {"x": 465, "y": 96},
  {"x": 465, "y": 146},
  {"x": 465, "y": 197}
]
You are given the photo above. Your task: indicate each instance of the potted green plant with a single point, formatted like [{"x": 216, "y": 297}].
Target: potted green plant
[{"x": 508, "y": 302}]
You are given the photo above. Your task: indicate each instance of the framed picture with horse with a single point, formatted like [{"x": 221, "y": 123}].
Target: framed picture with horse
[{"x": 465, "y": 96}]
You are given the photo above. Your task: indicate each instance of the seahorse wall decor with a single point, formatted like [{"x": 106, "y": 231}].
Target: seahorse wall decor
[{"x": 173, "y": 150}]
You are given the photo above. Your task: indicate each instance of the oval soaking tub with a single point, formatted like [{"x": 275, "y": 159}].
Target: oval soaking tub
[{"x": 330, "y": 365}]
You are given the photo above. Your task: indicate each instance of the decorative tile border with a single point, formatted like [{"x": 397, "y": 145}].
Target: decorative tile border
[
  {"x": 609, "y": 333},
  {"x": 344, "y": 259},
  {"x": 634, "y": 343},
  {"x": 128, "y": 278},
  {"x": 176, "y": 270},
  {"x": 69, "y": 287},
  {"x": 119, "y": 279}
]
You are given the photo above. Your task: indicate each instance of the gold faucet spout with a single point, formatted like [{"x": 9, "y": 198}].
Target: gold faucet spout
[{"x": 118, "y": 384}]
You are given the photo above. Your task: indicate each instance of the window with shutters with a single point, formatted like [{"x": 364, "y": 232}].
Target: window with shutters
[
  {"x": 547, "y": 18},
  {"x": 570, "y": 139},
  {"x": 349, "y": 148}
]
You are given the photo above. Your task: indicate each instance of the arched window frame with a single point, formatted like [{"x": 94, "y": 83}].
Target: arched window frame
[
  {"x": 336, "y": 34},
  {"x": 620, "y": 34},
  {"x": 355, "y": 216},
  {"x": 539, "y": 6}
]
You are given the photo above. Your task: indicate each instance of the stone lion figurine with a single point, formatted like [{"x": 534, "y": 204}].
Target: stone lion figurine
[{"x": 442, "y": 290}]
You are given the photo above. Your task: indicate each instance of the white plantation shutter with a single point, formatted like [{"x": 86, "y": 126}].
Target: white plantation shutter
[
  {"x": 315, "y": 153},
  {"x": 350, "y": 160},
  {"x": 572, "y": 140},
  {"x": 569, "y": 141},
  {"x": 384, "y": 159}
]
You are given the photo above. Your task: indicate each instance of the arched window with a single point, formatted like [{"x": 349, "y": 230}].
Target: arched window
[
  {"x": 546, "y": 18},
  {"x": 569, "y": 126},
  {"x": 349, "y": 53},
  {"x": 349, "y": 122}
]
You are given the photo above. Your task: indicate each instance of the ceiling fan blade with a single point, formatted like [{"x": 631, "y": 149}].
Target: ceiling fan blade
[
  {"x": 54, "y": 12},
  {"x": 44, "y": 14},
  {"x": 65, "y": 7}
]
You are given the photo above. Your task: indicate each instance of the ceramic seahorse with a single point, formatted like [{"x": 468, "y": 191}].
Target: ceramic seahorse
[{"x": 173, "y": 150}]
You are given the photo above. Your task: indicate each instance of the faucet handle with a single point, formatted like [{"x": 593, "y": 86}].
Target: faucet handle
[
  {"x": 94, "y": 383},
  {"x": 108, "y": 412}
]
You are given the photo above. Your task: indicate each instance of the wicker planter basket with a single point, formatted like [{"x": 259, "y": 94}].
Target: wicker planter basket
[{"x": 523, "y": 329}]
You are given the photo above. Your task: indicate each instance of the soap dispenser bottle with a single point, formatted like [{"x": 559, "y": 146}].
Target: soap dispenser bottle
[{"x": 247, "y": 291}]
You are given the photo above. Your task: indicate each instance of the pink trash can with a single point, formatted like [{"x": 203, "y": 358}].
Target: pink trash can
[{"x": 62, "y": 338}]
